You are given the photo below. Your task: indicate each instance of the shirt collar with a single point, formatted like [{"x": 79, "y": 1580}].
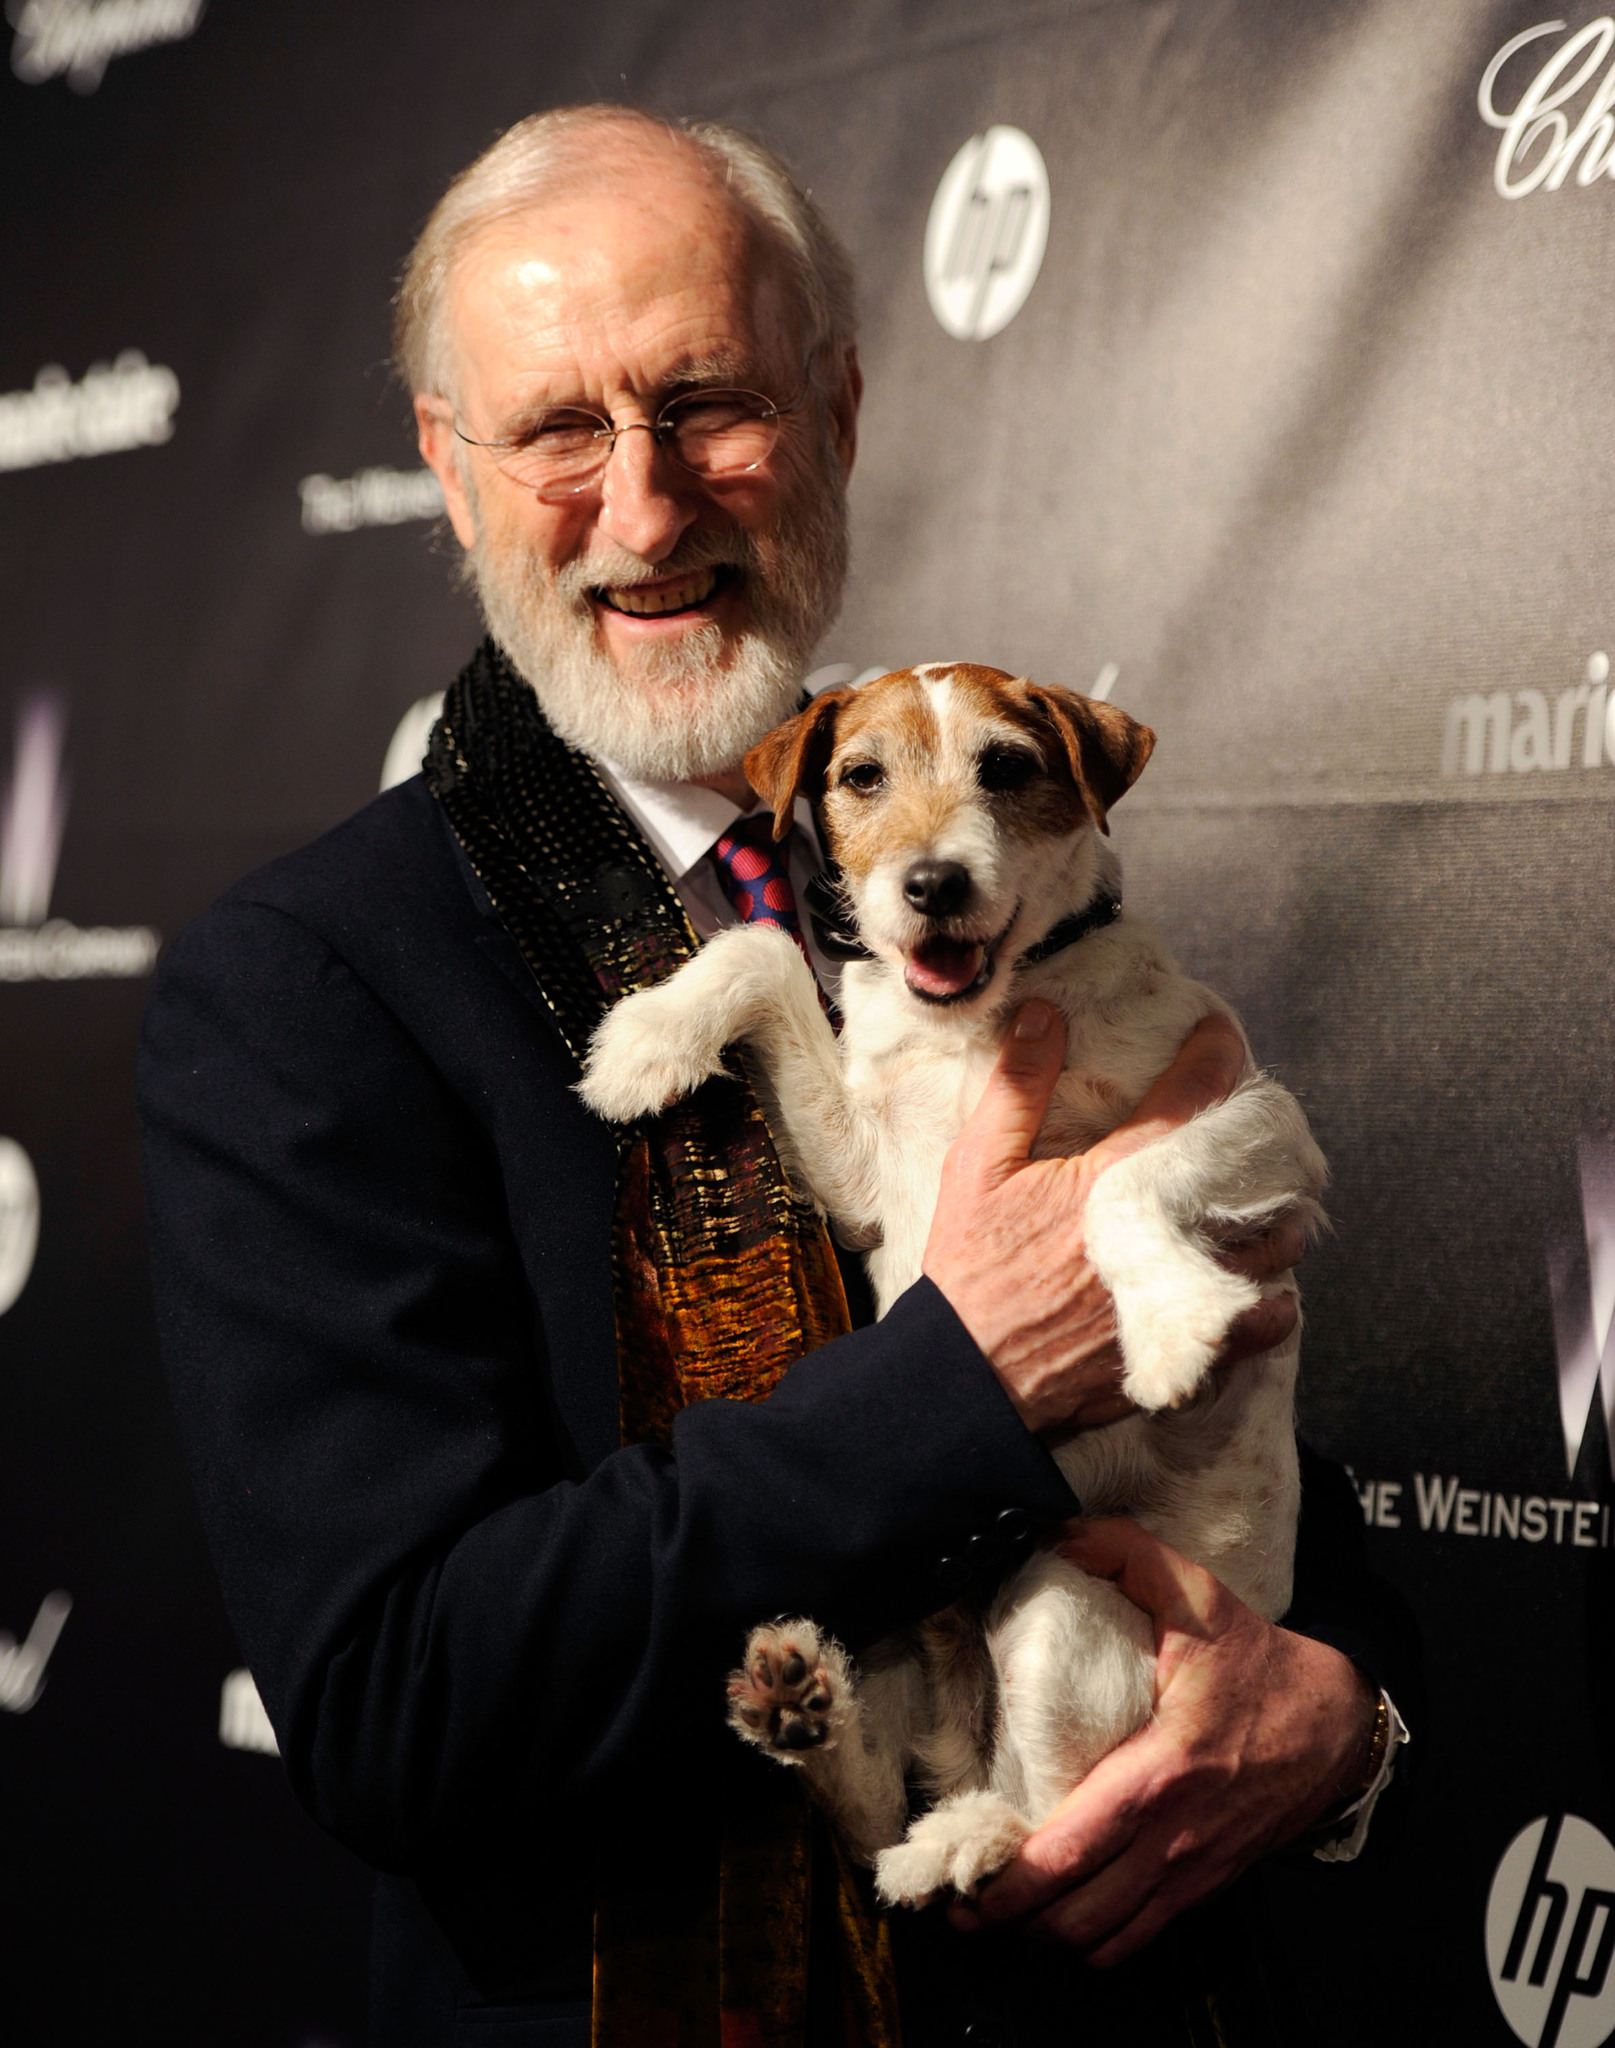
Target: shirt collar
[
  {"x": 680, "y": 819},
  {"x": 683, "y": 820}
]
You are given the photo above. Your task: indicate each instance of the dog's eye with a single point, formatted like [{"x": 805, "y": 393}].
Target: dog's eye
[
  {"x": 1006, "y": 768},
  {"x": 863, "y": 776}
]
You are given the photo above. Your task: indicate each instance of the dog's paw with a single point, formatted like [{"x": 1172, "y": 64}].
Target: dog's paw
[
  {"x": 952, "y": 1848},
  {"x": 793, "y": 1692},
  {"x": 649, "y": 1050},
  {"x": 1171, "y": 1336}
]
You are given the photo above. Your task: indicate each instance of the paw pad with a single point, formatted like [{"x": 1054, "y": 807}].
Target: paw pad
[{"x": 785, "y": 1697}]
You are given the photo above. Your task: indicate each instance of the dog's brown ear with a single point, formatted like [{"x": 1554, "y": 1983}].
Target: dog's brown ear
[
  {"x": 1106, "y": 749},
  {"x": 790, "y": 762}
]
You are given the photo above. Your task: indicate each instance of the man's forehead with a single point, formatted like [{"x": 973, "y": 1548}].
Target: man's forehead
[{"x": 658, "y": 277}]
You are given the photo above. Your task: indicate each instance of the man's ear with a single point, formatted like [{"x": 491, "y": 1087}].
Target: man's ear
[
  {"x": 791, "y": 761},
  {"x": 434, "y": 434},
  {"x": 844, "y": 404},
  {"x": 1106, "y": 749}
]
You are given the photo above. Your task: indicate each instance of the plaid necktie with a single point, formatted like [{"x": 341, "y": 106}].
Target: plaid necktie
[{"x": 754, "y": 872}]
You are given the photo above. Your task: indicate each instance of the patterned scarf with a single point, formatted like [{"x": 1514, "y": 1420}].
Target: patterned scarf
[{"x": 723, "y": 1278}]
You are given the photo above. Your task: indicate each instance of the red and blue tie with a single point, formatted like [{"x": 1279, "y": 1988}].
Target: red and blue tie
[{"x": 754, "y": 873}]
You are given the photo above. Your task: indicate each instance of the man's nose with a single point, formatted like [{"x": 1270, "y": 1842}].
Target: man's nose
[{"x": 646, "y": 500}]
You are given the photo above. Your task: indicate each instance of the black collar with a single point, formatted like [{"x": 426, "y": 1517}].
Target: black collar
[
  {"x": 837, "y": 935},
  {"x": 833, "y": 928},
  {"x": 1102, "y": 911}
]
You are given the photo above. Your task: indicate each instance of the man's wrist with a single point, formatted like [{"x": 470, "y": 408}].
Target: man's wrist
[
  {"x": 1367, "y": 1767},
  {"x": 1340, "y": 1835}
]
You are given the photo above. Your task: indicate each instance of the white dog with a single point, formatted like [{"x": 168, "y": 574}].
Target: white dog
[{"x": 960, "y": 806}]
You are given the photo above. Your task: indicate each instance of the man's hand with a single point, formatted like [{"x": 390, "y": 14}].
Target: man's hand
[
  {"x": 1256, "y": 1734},
  {"x": 1007, "y": 1245}
]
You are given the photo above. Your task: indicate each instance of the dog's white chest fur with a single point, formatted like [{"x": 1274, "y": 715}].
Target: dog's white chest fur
[
  {"x": 997, "y": 1712},
  {"x": 917, "y": 1077}
]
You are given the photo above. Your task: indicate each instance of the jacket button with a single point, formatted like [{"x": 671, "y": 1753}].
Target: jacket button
[
  {"x": 983, "y": 2034},
  {"x": 954, "y": 1573},
  {"x": 1014, "y": 1525}
]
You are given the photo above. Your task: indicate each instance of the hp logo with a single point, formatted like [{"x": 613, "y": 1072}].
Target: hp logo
[
  {"x": 985, "y": 238},
  {"x": 1550, "y": 1934}
]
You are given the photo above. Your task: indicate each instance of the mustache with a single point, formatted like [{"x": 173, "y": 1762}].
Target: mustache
[{"x": 616, "y": 568}]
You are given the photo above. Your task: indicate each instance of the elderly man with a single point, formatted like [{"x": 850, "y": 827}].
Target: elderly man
[{"x": 442, "y": 1345}]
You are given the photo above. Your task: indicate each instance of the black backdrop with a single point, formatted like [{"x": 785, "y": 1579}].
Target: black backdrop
[{"x": 1303, "y": 432}]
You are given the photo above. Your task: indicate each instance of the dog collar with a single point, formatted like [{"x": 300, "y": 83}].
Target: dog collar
[
  {"x": 833, "y": 928},
  {"x": 1102, "y": 911},
  {"x": 837, "y": 935}
]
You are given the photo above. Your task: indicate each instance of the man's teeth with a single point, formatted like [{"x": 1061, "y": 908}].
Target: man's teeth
[{"x": 649, "y": 601}]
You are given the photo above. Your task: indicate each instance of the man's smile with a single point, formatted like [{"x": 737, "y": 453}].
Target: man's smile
[{"x": 674, "y": 594}]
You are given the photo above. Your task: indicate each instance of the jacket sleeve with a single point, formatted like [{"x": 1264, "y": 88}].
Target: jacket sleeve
[
  {"x": 1340, "y": 1600},
  {"x": 454, "y": 1637}
]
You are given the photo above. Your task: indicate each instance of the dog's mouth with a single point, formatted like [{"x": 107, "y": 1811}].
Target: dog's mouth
[
  {"x": 940, "y": 969},
  {"x": 667, "y": 598}
]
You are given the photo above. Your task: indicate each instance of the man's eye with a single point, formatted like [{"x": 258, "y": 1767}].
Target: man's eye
[
  {"x": 1006, "y": 768},
  {"x": 561, "y": 430},
  {"x": 709, "y": 412},
  {"x": 863, "y": 776}
]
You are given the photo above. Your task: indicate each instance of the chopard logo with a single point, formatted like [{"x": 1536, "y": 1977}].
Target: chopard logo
[
  {"x": 77, "y": 39},
  {"x": 1544, "y": 137},
  {"x": 129, "y": 403},
  {"x": 33, "y": 812}
]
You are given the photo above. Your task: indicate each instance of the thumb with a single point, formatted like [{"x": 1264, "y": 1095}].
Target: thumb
[
  {"x": 1004, "y": 1125},
  {"x": 1174, "y": 1592}
]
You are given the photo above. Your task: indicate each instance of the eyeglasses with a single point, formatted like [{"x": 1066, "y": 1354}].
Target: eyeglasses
[{"x": 709, "y": 433}]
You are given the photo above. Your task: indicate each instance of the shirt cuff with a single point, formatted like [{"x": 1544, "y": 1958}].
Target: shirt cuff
[{"x": 1345, "y": 1848}]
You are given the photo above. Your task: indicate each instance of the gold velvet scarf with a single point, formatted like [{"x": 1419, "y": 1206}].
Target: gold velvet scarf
[{"x": 724, "y": 1277}]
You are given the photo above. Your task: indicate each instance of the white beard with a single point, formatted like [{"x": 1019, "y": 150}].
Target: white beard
[{"x": 685, "y": 708}]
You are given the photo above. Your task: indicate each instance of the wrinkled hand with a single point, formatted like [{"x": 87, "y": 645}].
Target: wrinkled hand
[
  {"x": 1007, "y": 1245},
  {"x": 1256, "y": 1734}
]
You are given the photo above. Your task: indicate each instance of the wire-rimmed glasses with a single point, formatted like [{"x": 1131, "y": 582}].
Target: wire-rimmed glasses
[{"x": 712, "y": 434}]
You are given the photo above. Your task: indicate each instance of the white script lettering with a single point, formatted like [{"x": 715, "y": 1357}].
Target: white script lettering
[{"x": 1541, "y": 142}]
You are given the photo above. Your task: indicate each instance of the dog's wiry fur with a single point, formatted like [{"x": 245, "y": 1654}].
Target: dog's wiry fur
[{"x": 921, "y": 778}]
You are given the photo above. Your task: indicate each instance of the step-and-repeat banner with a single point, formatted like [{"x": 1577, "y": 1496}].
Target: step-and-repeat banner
[{"x": 1247, "y": 362}]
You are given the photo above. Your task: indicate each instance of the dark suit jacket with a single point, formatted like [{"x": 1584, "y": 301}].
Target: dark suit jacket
[{"x": 491, "y": 1639}]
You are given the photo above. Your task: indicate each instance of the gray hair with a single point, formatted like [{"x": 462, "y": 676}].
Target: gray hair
[{"x": 547, "y": 152}]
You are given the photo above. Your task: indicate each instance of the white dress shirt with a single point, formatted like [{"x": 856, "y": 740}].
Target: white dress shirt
[{"x": 683, "y": 821}]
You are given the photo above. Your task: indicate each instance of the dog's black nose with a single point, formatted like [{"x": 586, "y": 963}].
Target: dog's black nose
[{"x": 937, "y": 888}]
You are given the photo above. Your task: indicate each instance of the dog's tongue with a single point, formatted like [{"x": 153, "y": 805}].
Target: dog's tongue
[{"x": 943, "y": 967}]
